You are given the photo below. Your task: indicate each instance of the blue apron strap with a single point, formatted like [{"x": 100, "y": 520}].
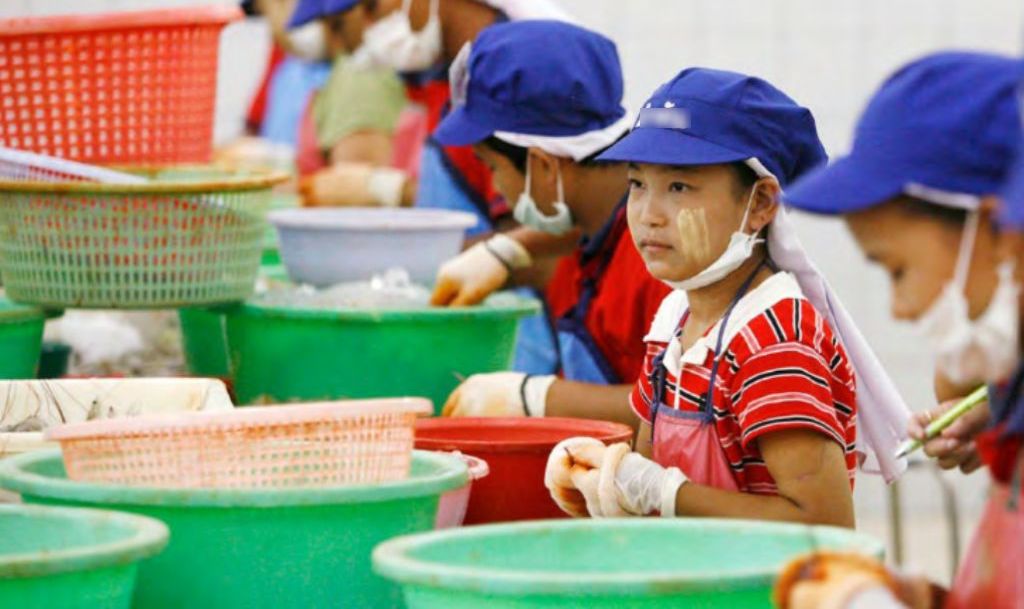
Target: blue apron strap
[
  {"x": 658, "y": 381},
  {"x": 707, "y": 405}
]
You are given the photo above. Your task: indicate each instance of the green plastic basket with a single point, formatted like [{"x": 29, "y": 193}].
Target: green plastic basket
[
  {"x": 642, "y": 563},
  {"x": 190, "y": 236},
  {"x": 280, "y": 354},
  {"x": 240, "y": 549},
  {"x": 21, "y": 340},
  {"x": 55, "y": 558}
]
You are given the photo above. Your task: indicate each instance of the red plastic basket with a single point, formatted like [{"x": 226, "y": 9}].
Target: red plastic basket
[{"x": 135, "y": 87}]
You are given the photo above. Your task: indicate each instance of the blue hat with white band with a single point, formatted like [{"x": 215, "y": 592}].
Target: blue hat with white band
[
  {"x": 537, "y": 82},
  {"x": 310, "y": 10},
  {"x": 709, "y": 117},
  {"x": 943, "y": 129}
]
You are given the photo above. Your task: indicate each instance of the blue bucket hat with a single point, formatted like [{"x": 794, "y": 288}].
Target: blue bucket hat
[
  {"x": 709, "y": 117},
  {"x": 944, "y": 128},
  {"x": 310, "y": 10},
  {"x": 534, "y": 77}
]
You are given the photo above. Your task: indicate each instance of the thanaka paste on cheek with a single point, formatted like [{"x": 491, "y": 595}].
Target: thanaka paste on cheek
[{"x": 694, "y": 244}]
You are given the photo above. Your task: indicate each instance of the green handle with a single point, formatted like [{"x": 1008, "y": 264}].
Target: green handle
[{"x": 937, "y": 426}]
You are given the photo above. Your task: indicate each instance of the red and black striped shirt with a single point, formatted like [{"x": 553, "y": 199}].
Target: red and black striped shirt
[{"x": 783, "y": 370}]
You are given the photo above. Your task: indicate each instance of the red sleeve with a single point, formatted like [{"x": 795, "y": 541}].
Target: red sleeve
[
  {"x": 258, "y": 105},
  {"x": 643, "y": 392},
  {"x": 785, "y": 386},
  {"x": 630, "y": 298},
  {"x": 561, "y": 292}
]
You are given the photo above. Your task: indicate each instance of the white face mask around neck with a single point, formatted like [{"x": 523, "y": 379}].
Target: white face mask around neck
[
  {"x": 969, "y": 351},
  {"x": 740, "y": 248}
]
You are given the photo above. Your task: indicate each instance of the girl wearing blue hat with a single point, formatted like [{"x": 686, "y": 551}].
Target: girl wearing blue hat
[
  {"x": 919, "y": 194},
  {"x": 539, "y": 120},
  {"x": 751, "y": 395}
]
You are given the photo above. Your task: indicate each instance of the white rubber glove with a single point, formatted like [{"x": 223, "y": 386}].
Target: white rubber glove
[
  {"x": 478, "y": 272},
  {"x": 355, "y": 185},
  {"x": 634, "y": 485},
  {"x": 572, "y": 475},
  {"x": 499, "y": 394}
]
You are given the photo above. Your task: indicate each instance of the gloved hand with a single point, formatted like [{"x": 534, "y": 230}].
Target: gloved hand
[
  {"x": 632, "y": 484},
  {"x": 499, "y": 394},
  {"x": 354, "y": 185},
  {"x": 572, "y": 475},
  {"x": 474, "y": 274}
]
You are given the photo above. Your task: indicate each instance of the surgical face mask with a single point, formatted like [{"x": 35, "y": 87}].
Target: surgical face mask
[
  {"x": 981, "y": 350},
  {"x": 528, "y": 214},
  {"x": 392, "y": 42},
  {"x": 309, "y": 41},
  {"x": 740, "y": 248}
]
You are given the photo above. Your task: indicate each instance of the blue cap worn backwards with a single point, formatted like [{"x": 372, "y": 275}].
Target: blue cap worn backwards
[
  {"x": 309, "y": 10},
  {"x": 535, "y": 78},
  {"x": 944, "y": 129},
  {"x": 708, "y": 117}
]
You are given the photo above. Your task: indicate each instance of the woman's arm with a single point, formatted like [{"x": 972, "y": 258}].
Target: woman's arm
[
  {"x": 810, "y": 472},
  {"x": 587, "y": 401}
]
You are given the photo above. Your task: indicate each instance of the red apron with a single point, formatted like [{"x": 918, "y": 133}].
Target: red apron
[
  {"x": 992, "y": 575},
  {"x": 687, "y": 439}
]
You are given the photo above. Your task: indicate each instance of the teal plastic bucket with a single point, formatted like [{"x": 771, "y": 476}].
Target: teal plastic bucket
[
  {"x": 204, "y": 333},
  {"x": 204, "y": 342},
  {"x": 643, "y": 563},
  {"x": 55, "y": 558},
  {"x": 281, "y": 354},
  {"x": 282, "y": 549},
  {"x": 21, "y": 340}
]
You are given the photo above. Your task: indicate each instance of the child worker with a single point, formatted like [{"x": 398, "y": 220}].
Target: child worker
[
  {"x": 539, "y": 117},
  {"x": 749, "y": 400},
  {"x": 919, "y": 192}
]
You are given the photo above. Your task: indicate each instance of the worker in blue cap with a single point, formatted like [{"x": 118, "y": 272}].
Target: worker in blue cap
[
  {"x": 539, "y": 119},
  {"x": 418, "y": 39},
  {"x": 919, "y": 191},
  {"x": 757, "y": 385}
]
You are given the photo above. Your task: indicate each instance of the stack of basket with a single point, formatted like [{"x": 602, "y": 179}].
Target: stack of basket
[{"x": 135, "y": 89}]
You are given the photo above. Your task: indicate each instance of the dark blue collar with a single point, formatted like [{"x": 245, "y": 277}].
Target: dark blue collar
[
  {"x": 594, "y": 244},
  {"x": 1008, "y": 404}
]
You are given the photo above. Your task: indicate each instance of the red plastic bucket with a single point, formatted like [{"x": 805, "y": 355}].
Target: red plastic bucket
[{"x": 516, "y": 450}]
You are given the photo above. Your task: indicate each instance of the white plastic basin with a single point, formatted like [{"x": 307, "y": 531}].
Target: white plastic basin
[{"x": 325, "y": 247}]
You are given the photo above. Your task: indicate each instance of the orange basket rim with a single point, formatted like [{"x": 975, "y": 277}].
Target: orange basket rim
[
  {"x": 249, "y": 417},
  {"x": 257, "y": 179},
  {"x": 96, "y": 22}
]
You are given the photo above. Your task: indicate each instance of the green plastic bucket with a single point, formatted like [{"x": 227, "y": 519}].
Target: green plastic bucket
[
  {"x": 55, "y": 558},
  {"x": 643, "y": 563},
  {"x": 282, "y": 549},
  {"x": 204, "y": 342},
  {"x": 280, "y": 354},
  {"x": 21, "y": 340},
  {"x": 204, "y": 333}
]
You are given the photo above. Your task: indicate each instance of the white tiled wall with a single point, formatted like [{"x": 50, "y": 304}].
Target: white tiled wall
[{"x": 828, "y": 54}]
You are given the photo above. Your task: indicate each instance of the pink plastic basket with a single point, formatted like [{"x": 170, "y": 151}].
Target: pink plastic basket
[
  {"x": 132, "y": 87},
  {"x": 287, "y": 446}
]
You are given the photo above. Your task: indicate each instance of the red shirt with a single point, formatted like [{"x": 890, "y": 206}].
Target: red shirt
[
  {"x": 783, "y": 370},
  {"x": 627, "y": 295},
  {"x": 258, "y": 105}
]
